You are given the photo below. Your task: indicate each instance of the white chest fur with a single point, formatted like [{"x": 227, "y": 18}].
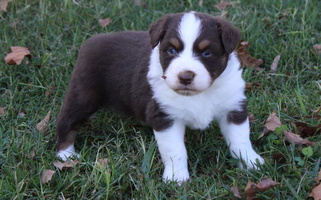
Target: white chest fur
[{"x": 199, "y": 110}]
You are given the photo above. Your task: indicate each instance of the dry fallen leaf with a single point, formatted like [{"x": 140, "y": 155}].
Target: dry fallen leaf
[
  {"x": 271, "y": 123},
  {"x": 102, "y": 162},
  {"x": 316, "y": 192},
  {"x": 4, "y": 4},
  {"x": 47, "y": 176},
  {"x": 275, "y": 63},
  {"x": 104, "y": 22},
  {"x": 306, "y": 131},
  {"x": 251, "y": 118},
  {"x": 296, "y": 139},
  {"x": 223, "y": 4},
  {"x": 2, "y": 111},
  {"x": 245, "y": 57},
  {"x": 68, "y": 164},
  {"x": 235, "y": 191},
  {"x": 140, "y": 3},
  {"x": 22, "y": 114},
  {"x": 253, "y": 188},
  {"x": 317, "y": 48},
  {"x": 17, "y": 55},
  {"x": 42, "y": 126},
  {"x": 250, "y": 86}
]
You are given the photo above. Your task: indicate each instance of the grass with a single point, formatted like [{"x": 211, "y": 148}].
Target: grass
[{"x": 54, "y": 31}]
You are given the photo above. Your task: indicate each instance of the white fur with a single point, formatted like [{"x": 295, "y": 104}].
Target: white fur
[
  {"x": 237, "y": 138},
  {"x": 185, "y": 60},
  {"x": 173, "y": 152},
  {"x": 67, "y": 153},
  {"x": 198, "y": 111}
]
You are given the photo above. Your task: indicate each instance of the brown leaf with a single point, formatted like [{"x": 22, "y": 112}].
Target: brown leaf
[
  {"x": 4, "y": 4},
  {"x": 2, "y": 111},
  {"x": 296, "y": 139},
  {"x": 42, "y": 126},
  {"x": 275, "y": 63},
  {"x": 245, "y": 58},
  {"x": 316, "y": 192},
  {"x": 140, "y": 3},
  {"x": 200, "y": 3},
  {"x": 68, "y": 164},
  {"x": 223, "y": 4},
  {"x": 271, "y": 123},
  {"x": 235, "y": 191},
  {"x": 47, "y": 176},
  {"x": 251, "y": 118},
  {"x": 250, "y": 86},
  {"x": 17, "y": 55},
  {"x": 317, "y": 48},
  {"x": 102, "y": 162},
  {"x": 252, "y": 188},
  {"x": 104, "y": 22},
  {"x": 306, "y": 131},
  {"x": 22, "y": 114}
]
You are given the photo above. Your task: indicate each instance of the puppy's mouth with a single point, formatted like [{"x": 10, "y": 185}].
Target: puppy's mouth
[{"x": 186, "y": 91}]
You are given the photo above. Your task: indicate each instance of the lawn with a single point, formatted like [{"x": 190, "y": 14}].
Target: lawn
[{"x": 119, "y": 156}]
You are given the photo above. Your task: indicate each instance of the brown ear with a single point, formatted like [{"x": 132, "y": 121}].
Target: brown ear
[
  {"x": 157, "y": 30},
  {"x": 231, "y": 36}
]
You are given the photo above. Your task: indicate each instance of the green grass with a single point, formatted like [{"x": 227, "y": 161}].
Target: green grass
[{"x": 54, "y": 31}]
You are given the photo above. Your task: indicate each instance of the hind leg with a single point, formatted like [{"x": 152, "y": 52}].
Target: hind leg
[{"x": 78, "y": 106}]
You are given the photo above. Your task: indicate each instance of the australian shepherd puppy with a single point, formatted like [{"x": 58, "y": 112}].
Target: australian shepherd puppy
[{"x": 182, "y": 73}]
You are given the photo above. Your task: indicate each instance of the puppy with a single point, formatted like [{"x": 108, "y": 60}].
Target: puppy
[{"x": 183, "y": 73}]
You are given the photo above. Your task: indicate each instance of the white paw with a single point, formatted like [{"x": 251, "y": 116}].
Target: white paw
[
  {"x": 251, "y": 161},
  {"x": 67, "y": 153},
  {"x": 179, "y": 176}
]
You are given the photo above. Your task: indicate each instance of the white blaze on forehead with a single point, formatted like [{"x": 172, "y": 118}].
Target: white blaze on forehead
[{"x": 189, "y": 29}]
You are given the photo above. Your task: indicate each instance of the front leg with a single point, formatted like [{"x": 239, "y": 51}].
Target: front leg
[
  {"x": 236, "y": 131},
  {"x": 173, "y": 152}
]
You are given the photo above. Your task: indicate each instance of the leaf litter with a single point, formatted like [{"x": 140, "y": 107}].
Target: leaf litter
[
  {"x": 223, "y": 4},
  {"x": 42, "y": 126},
  {"x": 47, "y": 176},
  {"x": 104, "y": 22},
  {"x": 17, "y": 55},
  {"x": 316, "y": 192},
  {"x": 271, "y": 124},
  {"x": 4, "y": 5},
  {"x": 252, "y": 189},
  {"x": 68, "y": 164},
  {"x": 246, "y": 58},
  {"x": 275, "y": 63}
]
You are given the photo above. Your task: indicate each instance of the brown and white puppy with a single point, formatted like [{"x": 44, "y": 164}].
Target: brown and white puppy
[{"x": 183, "y": 73}]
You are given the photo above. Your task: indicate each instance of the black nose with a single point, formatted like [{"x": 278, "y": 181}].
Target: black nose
[{"x": 186, "y": 77}]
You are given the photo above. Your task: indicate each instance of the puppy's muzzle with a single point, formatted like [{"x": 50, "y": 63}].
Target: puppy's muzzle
[{"x": 186, "y": 77}]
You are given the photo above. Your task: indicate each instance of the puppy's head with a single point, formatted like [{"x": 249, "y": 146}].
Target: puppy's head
[{"x": 193, "y": 49}]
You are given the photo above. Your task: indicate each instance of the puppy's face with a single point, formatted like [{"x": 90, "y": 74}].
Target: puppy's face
[{"x": 193, "y": 50}]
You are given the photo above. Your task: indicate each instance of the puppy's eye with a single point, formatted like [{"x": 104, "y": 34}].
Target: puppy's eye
[
  {"x": 172, "y": 51},
  {"x": 206, "y": 54}
]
